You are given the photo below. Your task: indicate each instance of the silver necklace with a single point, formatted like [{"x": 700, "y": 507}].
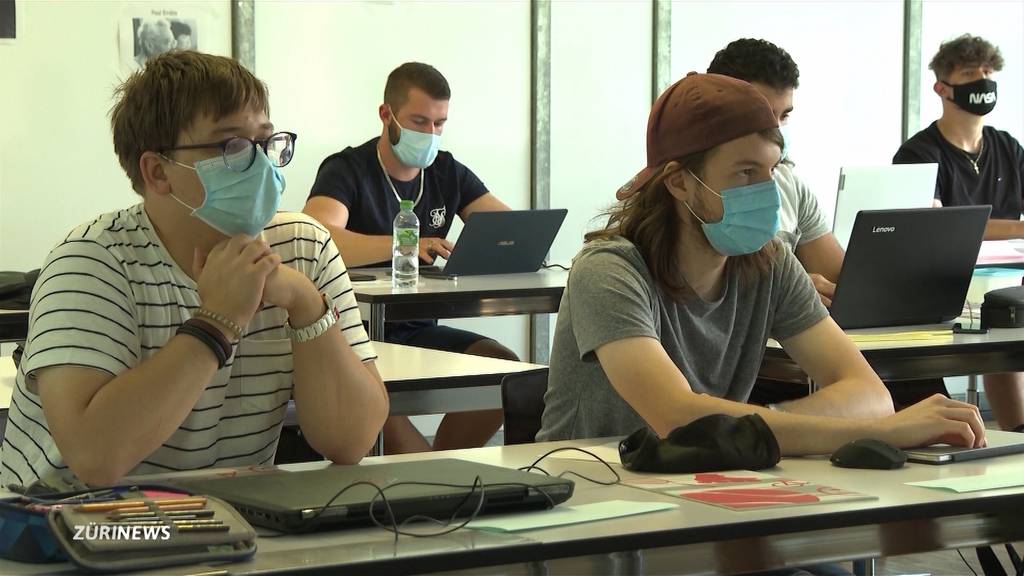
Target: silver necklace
[
  {"x": 420, "y": 195},
  {"x": 974, "y": 162}
]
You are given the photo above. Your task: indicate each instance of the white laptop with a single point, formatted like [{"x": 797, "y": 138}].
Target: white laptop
[{"x": 880, "y": 188}]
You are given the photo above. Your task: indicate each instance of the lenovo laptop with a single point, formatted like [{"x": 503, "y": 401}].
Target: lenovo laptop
[
  {"x": 441, "y": 489},
  {"x": 908, "y": 266},
  {"x": 505, "y": 242},
  {"x": 1000, "y": 443},
  {"x": 880, "y": 188}
]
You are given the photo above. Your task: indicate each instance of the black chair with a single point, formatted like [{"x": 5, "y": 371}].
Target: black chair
[{"x": 522, "y": 401}]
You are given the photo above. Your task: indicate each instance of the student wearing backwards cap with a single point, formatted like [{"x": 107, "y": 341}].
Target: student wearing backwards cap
[{"x": 667, "y": 309}]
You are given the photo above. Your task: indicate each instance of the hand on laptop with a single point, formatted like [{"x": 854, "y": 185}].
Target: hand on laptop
[
  {"x": 934, "y": 420},
  {"x": 826, "y": 289},
  {"x": 431, "y": 248}
]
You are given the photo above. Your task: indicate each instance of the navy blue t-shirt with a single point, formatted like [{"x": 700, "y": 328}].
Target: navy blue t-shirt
[{"x": 355, "y": 178}]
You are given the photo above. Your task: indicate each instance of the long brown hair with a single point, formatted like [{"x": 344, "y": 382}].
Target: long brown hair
[{"x": 650, "y": 220}]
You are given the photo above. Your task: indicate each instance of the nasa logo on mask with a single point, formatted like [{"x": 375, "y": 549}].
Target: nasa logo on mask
[{"x": 437, "y": 216}]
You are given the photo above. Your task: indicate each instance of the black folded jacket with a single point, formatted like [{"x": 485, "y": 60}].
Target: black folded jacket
[{"x": 708, "y": 444}]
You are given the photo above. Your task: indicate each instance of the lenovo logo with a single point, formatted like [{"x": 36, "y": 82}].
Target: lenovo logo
[
  {"x": 506, "y": 242},
  {"x": 883, "y": 229},
  {"x": 982, "y": 98}
]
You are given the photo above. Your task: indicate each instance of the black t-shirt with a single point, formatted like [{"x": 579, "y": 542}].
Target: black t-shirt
[
  {"x": 1000, "y": 166},
  {"x": 355, "y": 178}
]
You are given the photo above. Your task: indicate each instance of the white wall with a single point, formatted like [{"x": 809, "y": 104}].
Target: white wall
[
  {"x": 57, "y": 162},
  {"x": 999, "y": 23},
  {"x": 847, "y": 110},
  {"x": 600, "y": 100}
]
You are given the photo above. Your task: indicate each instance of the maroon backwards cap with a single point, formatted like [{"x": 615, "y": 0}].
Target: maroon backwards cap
[{"x": 698, "y": 113}]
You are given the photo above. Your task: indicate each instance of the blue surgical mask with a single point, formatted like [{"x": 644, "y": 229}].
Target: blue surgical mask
[
  {"x": 238, "y": 202},
  {"x": 416, "y": 149},
  {"x": 784, "y": 129},
  {"x": 750, "y": 218}
]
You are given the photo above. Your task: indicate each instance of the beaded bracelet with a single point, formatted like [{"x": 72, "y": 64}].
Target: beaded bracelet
[{"x": 220, "y": 319}]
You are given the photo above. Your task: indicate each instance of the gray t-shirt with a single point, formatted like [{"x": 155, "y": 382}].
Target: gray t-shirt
[
  {"x": 717, "y": 345},
  {"x": 800, "y": 218}
]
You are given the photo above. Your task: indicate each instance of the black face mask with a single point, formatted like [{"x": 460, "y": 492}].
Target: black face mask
[{"x": 978, "y": 97}]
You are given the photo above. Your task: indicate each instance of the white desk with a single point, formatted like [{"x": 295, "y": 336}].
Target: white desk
[
  {"x": 693, "y": 538},
  {"x": 1004, "y": 253},
  {"x": 463, "y": 297},
  {"x": 419, "y": 381},
  {"x": 1001, "y": 350}
]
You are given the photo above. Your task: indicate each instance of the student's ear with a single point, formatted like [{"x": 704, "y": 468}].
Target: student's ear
[
  {"x": 384, "y": 112},
  {"x": 939, "y": 88},
  {"x": 678, "y": 182},
  {"x": 154, "y": 173}
]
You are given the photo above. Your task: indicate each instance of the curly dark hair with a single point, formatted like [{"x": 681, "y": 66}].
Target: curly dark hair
[
  {"x": 965, "y": 50},
  {"x": 756, "y": 60}
]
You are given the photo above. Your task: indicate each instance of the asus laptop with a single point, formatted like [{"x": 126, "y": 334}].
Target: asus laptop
[
  {"x": 908, "y": 266},
  {"x": 506, "y": 242},
  {"x": 1000, "y": 443},
  {"x": 292, "y": 501},
  {"x": 880, "y": 188}
]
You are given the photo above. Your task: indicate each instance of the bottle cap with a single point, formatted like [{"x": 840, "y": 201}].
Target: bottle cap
[{"x": 406, "y": 205}]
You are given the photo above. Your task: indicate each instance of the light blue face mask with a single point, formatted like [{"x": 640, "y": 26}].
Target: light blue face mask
[
  {"x": 750, "y": 218},
  {"x": 237, "y": 202},
  {"x": 414, "y": 148}
]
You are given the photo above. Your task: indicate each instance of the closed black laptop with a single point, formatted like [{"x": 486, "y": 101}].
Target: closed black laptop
[
  {"x": 291, "y": 501},
  {"x": 907, "y": 267},
  {"x": 505, "y": 242}
]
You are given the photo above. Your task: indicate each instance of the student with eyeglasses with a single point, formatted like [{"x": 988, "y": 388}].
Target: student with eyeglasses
[{"x": 171, "y": 335}]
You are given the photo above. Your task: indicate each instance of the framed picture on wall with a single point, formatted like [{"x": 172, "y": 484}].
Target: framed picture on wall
[
  {"x": 8, "y": 22},
  {"x": 155, "y": 31}
]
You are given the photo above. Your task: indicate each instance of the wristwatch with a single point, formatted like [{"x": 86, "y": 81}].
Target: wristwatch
[{"x": 317, "y": 328}]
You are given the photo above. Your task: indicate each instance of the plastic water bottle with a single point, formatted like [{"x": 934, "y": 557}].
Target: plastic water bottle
[{"x": 405, "y": 248}]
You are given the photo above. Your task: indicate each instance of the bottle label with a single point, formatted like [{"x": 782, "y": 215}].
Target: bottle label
[{"x": 408, "y": 237}]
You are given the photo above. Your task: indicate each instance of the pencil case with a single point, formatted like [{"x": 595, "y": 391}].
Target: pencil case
[
  {"x": 25, "y": 534},
  {"x": 96, "y": 542},
  {"x": 1003, "y": 308}
]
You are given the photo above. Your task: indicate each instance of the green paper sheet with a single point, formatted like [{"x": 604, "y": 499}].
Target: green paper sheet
[
  {"x": 989, "y": 481},
  {"x": 563, "y": 515}
]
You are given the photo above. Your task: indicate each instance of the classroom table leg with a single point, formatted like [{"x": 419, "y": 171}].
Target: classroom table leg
[
  {"x": 376, "y": 321},
  {"x": 865, "y": 567},
  {"x": 972, "y": 390}
]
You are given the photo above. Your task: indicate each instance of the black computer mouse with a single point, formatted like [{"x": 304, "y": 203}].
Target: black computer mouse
[{"x": 869, "y": 453}]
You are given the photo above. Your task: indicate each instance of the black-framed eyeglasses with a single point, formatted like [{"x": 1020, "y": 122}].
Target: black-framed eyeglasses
[{"x": 239, "y": 152}]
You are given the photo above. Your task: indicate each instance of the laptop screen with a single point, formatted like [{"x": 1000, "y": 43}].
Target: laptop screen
[
  {"x": 907, "y": 267},
  {"x": 880, "y": 188}
]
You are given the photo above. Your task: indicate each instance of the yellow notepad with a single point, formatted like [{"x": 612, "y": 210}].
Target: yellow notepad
[{"x": 926, "y": 335}]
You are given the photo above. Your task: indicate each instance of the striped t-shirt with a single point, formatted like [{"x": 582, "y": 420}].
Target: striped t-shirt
[{"x": 110, "y": 296}]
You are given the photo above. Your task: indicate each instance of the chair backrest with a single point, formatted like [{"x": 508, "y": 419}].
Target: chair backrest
[{"x": 522, "y": 400}]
